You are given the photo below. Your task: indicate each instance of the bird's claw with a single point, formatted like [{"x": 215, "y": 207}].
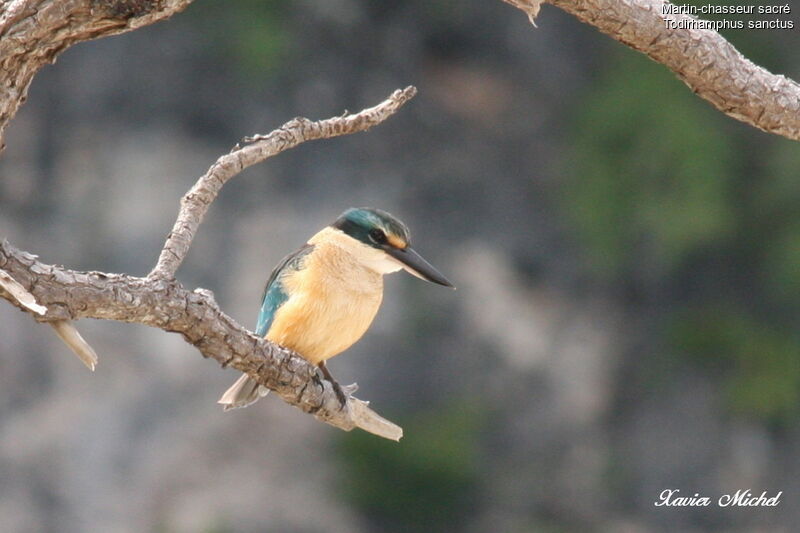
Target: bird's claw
[{"x": 340, "y": 394}]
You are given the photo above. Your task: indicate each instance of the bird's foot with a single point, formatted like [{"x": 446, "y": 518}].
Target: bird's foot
[
  {"x": 339, "y": 394},
  {"x": 337, "y": 389}
]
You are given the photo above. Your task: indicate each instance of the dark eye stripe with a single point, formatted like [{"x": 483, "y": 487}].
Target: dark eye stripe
[{"x": 378, "y": 236}]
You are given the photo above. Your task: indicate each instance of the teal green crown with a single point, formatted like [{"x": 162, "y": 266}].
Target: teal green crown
[{"x": 370, "y": 226}]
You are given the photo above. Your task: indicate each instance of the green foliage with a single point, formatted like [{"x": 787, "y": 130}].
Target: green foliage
[
  {"x": 760, "y": 360},
  {"x": 657, "y": 182},
  {"x": 776, "y": 201},
  {"x": 651, "y": 173},
  {"x": 782, "y": 265},
  {"x": 253, "y": 33},
  {"x": 423, "y": 483}
]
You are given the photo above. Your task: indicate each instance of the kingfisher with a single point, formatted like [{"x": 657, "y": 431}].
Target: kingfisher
[{"x": 322, "y": 298}]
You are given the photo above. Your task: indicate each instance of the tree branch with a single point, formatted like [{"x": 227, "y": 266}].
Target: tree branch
[
  {"x": 165, "y": 304},
  {"x": 703, "y": 59},
  {"x": 66, "y": 331},
  {"x": 258, "y": 148},
  {"x": 70, "y": 336},
  {"x": 160, "y": 301},
  {"x": 34, "y": 32},
  {"x": 16, "y": 293}
]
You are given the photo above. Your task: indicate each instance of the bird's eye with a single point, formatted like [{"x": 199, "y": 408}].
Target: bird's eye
[{"x": 377, "y": 236}]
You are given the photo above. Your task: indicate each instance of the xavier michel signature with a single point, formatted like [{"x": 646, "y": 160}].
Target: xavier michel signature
[{"x": 741, "y": 498}]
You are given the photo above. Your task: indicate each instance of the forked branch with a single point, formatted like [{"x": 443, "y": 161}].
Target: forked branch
[
  {"x": 57, "y": 295},
  {"x": 256, "y": 149}
]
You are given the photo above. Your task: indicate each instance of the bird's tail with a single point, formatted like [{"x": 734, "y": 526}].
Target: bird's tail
[{"x": 242, "y": 393}]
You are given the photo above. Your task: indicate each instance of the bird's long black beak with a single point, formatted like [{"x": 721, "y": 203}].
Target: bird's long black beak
[{"x": 416, "y": 265}]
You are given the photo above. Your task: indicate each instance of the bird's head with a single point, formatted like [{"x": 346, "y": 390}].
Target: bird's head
[{"x": 385, "y": 243}]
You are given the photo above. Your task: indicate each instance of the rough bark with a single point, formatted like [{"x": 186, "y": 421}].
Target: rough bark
[
  {"x": 34, "y": 32},
  {"x": 166, "y": 304},
  {"x": 58, "y": 296},
  {"x": 703, "y": 59}
]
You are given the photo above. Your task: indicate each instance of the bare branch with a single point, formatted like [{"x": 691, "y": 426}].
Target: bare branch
[
  {"x": 19, "y": 294},
  {"x": 159, "y": 301},
  {"x": 703, "y": 59},
  {"x": 258, "y": 148},
  {"x": 366, "y": 419},
  {"x": 67, "y": 332},
  {"x": 34, "y": 32},
  {"x": 165, "y": 304}
]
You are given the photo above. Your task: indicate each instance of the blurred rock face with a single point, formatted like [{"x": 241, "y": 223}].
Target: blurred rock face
[{"x": 541, "y": 394}]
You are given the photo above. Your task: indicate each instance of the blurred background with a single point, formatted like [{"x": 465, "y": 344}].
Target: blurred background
[{"x": 627, "y": 261}]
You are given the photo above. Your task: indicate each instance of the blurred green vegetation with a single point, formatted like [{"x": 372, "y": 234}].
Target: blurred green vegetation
[
  {"x": 652, "y": 174},
  {"x": 426, "y": 481},
  {"x": 777, "y": 199},
  {"x": 758, "y": 359},
  {"x": 666, "y": 192},
  {"x": 254, "y": 33}
]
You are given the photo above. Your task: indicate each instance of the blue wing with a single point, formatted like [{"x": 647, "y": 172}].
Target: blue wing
[{"x": 274, "y": 294}]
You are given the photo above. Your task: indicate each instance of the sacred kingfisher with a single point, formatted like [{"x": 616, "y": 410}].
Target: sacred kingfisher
[{"x": 322, "y": 298}]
